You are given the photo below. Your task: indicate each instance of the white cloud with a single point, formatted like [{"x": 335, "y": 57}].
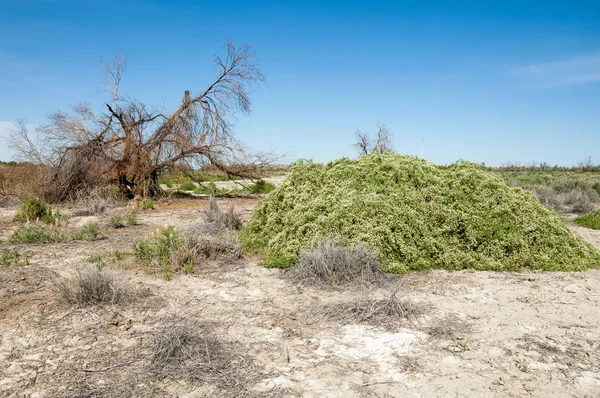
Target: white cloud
[{"x": 580, "y": 70}]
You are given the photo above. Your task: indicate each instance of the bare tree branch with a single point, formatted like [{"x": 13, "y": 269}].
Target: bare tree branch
[
  {"x": 382, "y": 143},
  {"x": 130, "y": 143}
]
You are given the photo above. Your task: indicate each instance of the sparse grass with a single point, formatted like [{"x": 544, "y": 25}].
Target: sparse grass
[
  {"x": 448, "y": 327},
  {"x": 575, "y": 201},
  {"x": 563, "y": 190},
  {"x": 131, "y": 218},
  {"x": 389, "y": 312},
  {"x": 123, "y": 220},
  {"x": 93, "y": 203},
  {"x": 33, "y": 233},
  {"x": 118, "y": 255},
  {"x": 98, "y": 260},
  {"x": 522, "y": 365},
  {"x": 229, "y": 220},
  {"x": 94, "y": 286},
  {"x": 261, "y": 186},
  {"x": 460, "y": 344},
  {"x": 188, "y": 186},
  {"x": 108, "y": 258},
  {"x": 34, "y": 209},
  {"x": 590, "y": 220},
  {"x": 146, "y": 204},
  {"x": 329, "y": 264},
  {"x": 116, "y": 222},
  {"x": 12, "y": 257},
  {"x": 170, "y": 251},
  {"x": 89, "y": 232}
]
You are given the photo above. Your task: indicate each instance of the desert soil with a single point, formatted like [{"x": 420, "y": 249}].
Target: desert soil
[{"x": 483, "y": 334}]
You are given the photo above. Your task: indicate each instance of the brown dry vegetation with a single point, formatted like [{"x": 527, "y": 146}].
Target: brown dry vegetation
[{"x": 235, "y": 329}]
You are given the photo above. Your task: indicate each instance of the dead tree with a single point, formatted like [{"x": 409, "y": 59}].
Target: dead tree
[
  {"x": 381, "y": 143},
  {"x": 130, "y": 143}
]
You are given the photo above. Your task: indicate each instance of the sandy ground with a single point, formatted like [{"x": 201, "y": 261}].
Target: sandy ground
[{"x": 480, "y": 334}]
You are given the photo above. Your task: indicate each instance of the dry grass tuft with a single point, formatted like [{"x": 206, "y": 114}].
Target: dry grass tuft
[
  {"x": 229, "y": 220},
  {"x": 448, "y": 327},
  {"x": 93, "y": 286},
  {"x": 94, "y": 203},
  {"x": 389, "y": 312},
  {"x": 214, "y": 248},
  {"x": 172, "y": 251},
  {"x": 331, "y": 264},
  {"x": 574, "y": 201},
  {"x": 186, "y": 350}
]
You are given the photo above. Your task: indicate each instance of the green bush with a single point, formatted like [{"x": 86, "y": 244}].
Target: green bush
[
  {"x": 146, "y": 204},
  {"x": 131, "y": 219},
  {"x": 187, "y": 186},
  {"x": 168, "y": 250},
  {"x": 121, "y": 221},
  {"x": 90, "y": 232},
  {"x": 261, "y": 186},
  {"x": 12, "y": 257},
  {"x": 591, "y": 220},
  {"x": 36, "y": 234},
  {"x": 414, "y": 215},
  {"x": 34, "y": 208}
]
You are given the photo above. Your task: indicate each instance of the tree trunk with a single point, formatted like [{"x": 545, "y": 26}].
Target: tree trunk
[
  {"x": 153, "y": 190},
  {"x": 125, "y": 186}
]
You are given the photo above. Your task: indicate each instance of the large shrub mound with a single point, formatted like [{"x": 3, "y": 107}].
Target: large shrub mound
[{"x": 414, "y": 215}]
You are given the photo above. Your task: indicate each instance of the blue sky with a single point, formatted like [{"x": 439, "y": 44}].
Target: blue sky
[{"x": 487, "y": 81}]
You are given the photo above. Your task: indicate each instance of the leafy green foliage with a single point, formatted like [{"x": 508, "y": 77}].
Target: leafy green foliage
[
  {"x": 146, "y": 204},
  {"x": 34, "y": 208},
  {"x": 591, "y": 220},
  {"x": 12, "y": 257},
  {"x": 169, "y": 251},
  {"x": 414, "y": 215},
  {"x": 36, "y": 234},
  {"x": 90, "y": 232},
  {"x": 261, "y": 186},
  {"x": 123, "y": 220}
]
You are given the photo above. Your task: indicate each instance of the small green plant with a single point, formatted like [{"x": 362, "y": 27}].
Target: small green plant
[
  {"x": 523, "y": 366},
  {"x": 123, "y": 220},
  {"x": 116, "y": 222},
  {"x": 167, "y": 273},
  {"x": 143, "y": 251},
  {"x": 36, "y": 234},
  {"x": 97, "y": 260},
  {"x": 261, "y": 186},
  {"x": 89, "y": 232},
  {"x": 188, "y": 186},
  {"x": 460, "y": 343},
  {"x": 189, "y": 268},
  {"x": 118, "y": 255},
  {"x": 34, "y": 208},
  {"x": 12, "y": 257},
  {"x": 287, "y": 354},
  {"x": 131, "y": 219},
  {"x": 590, "y": 220},
  {"x": 146, "y": 204},
  {"x": 168, "y": 250}
]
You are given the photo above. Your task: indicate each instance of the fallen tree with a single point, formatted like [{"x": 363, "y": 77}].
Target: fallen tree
[{"x": 131, "y": 143}]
